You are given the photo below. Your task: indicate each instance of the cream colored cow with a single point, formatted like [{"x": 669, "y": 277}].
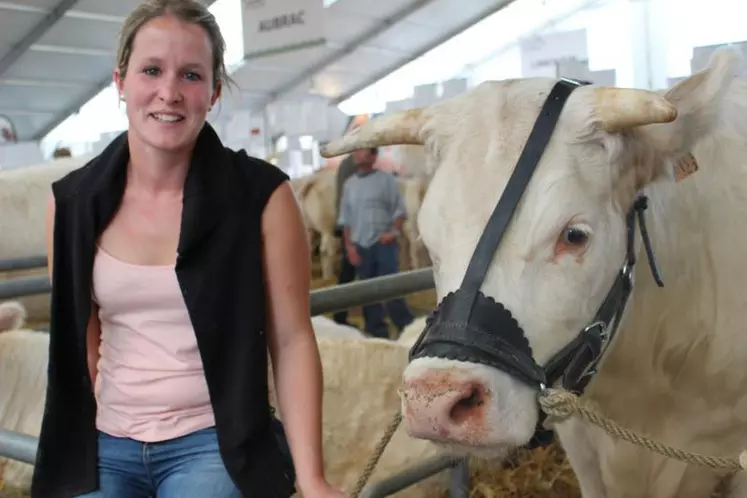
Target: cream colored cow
[
  {"x": 317, "y": 198},
  {"x": 23, "y": 201},
  {"x": 411, "y": 333},
  {"x": 328, "y": 328},
  {"x": 23, "y": 384},
  {"x": 676, "y": 370}
]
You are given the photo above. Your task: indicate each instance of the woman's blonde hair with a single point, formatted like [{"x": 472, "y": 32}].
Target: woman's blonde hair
[{"x": 190, "y": 11}]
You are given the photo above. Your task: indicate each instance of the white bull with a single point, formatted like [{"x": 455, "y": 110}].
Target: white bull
[
  {"x": 23, "y": 200},
  {"x": 676, "y": 370}
]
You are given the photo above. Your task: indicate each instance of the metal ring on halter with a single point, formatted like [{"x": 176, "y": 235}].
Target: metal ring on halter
[{"x": 627, "y": 269}]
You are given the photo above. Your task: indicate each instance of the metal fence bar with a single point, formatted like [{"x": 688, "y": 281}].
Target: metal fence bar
[
  {"x": 408, "y": 477},
  {"x": 324, "y": 300},
  {"x": 25, "y": 286},
  {"x": 17, "y": 446},
  {"x": 28, "y": 263},
  {"x": 345, "y": 296},
  {"x": 460, "y": 479},
  {"x": 22, "y": 447}
]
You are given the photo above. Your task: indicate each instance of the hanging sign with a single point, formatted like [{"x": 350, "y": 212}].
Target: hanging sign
[{"x": 277, "y": 26}]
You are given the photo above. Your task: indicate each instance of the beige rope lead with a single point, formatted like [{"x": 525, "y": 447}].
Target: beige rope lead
[
  {"x": 376, "y": 455},
  {"x": 561, "y": 404}
]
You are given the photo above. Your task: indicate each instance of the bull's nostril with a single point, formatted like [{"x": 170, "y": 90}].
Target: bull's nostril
[{"x": 465, "y": 407}]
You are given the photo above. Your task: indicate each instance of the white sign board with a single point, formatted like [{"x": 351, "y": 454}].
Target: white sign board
[{"x": 276, "y": 26}]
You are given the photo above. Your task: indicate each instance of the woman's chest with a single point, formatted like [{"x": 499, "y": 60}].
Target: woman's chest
[{"x": 144, "y": 233}]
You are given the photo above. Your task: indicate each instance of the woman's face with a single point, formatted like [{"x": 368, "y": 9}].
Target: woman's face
[{"x": 168, "y": 87}]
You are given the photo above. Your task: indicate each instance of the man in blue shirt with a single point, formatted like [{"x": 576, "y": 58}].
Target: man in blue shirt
[{"x": 372, "y": 212}]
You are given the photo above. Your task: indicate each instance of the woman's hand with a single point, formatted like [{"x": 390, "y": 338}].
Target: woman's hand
[{"x": 321, "y": 489}]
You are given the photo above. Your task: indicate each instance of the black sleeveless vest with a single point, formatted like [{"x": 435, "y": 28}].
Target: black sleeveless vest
[{"x": 219, "y": 269}]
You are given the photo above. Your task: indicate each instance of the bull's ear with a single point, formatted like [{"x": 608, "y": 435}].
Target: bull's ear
[
  {"x": 701, "y": 102},
  {"x": 653, "y": 134}
]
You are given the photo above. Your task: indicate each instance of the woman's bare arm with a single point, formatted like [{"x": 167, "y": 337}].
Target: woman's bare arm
[{"x": 292, "y": 344}]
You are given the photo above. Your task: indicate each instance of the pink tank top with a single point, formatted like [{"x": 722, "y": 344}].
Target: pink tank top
[{"x": 150, "y": 384}]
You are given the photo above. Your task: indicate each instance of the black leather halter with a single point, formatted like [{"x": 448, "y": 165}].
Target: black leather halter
[{"x": 469, "y": 326}]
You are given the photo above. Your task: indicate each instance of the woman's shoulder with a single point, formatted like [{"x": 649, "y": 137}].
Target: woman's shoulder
[
  {"x": 84, "y": 177},
  {"x": 254, "y": 167},
  {"x": 72, "y": 182},
  {"x": 262, "y": 176}
]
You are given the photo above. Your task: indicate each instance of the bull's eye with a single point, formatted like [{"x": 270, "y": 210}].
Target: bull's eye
[
  {"x": 574, "y": 239},
  {"x": 574, "y": 236}
]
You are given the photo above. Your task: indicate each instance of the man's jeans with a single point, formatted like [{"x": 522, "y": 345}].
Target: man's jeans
[
  {"x": 377, "y": 261},
  {"x": 185, "y": 467},
  {"x": 347, "y": 274}
]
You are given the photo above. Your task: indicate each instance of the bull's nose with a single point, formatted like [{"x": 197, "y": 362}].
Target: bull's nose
[{"x": 441, "y": 407}]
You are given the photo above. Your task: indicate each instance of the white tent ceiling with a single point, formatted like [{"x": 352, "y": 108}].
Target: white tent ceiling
[{"x": 55, "y": 55}]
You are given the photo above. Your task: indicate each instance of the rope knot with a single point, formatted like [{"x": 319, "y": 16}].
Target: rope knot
[{"x": 558, "y": 404}]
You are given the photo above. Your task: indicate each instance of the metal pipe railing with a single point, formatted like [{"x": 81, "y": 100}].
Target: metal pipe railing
[
  {"x": 459, "y": 485},
  {"x": 407, "y": 478},
  {"x": 28, "y": 263},
  {"x": 17, "y": 446},
  {"x": 24, "y": 286},
  {"x": 345, "y": 296},
  {"x": 22, "y": 447},
  {"x": 325, "y": 300}
]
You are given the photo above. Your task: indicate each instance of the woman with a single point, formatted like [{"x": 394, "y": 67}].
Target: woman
[{"x": 175, "y": 263}]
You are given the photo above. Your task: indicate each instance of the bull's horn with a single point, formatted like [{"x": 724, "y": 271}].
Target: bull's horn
[
  {"x": 402, "y": 127},
  {"x": 623, "y": 108}
]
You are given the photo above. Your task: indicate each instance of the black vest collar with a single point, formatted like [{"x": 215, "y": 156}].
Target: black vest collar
[{"x": 206, "y": 189}]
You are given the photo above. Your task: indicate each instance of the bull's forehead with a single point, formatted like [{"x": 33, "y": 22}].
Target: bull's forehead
[{"x": 477, "y": 141}]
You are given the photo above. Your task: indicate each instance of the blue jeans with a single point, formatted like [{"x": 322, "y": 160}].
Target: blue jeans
[
  {"x": 377, "y": 261},
  {"x": 184, "y": 467}
]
